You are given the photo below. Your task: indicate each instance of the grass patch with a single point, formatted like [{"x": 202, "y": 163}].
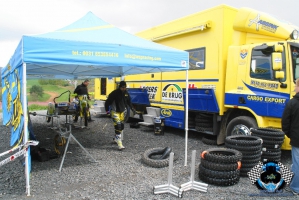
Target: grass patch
[
  {"x": 45, "y": 97},
  {"x": 34, "y": 107}
]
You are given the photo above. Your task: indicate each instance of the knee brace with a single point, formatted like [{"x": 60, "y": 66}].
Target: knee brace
[{"x": 118, "y": 128}]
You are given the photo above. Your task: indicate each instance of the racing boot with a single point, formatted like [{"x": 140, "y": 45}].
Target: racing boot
[{"x": 117, "y": 139}]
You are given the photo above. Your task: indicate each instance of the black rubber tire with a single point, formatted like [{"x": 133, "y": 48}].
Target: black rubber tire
[
  {"x": 269, "y": 138},
  {"x": 244, "y": 148},
  {"x": 203, "y": 115},
  {"x": 253, "y": 160},
  {"x": 209, "y": 140},
  {"x": 244, "y": 121},
  {"x": 244, "y": 171},
  {"x": 219, "y": 182},
  {"x": 244, "y": 140},
  {"x": 268, "y": 132},
  {"x": 272, "y": 146},
  {"x": 271, "y": 154},
  {"x": 85, "y": 116},
  {"x": 48, "y": 119},
  {"x": 204, "y": 125},
  {"x": 252, "y": 156},
  {"x": 272, "y": 142},
  {"x": 201, "y": 129},
  {"x": 269, "y": 158},
  {"x": 221, "y": 155},
  {"x": 220, "y": 167},
  {"x": 218, "y": 174},
  {"x": 146, "y": 158},
  {"x": 249, "y": 153}
]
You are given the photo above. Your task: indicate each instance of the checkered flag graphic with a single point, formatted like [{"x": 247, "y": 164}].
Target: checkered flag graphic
[
  {"x": 255, "y": 172},
  {"x": 286, "y": 174}
]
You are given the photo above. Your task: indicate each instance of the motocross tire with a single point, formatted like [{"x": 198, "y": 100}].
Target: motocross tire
[
  {"x": 147, "y": 158},
  {"x": 244, "y": 148},
  {"x": 240, "y": 126},
  {"x": 219, "y": 182},
  {"x": 244, "y": 171},
  {"x": 252, "y": 156},
  {"x": 48, "y": 119},
  {"x": 249, "y": 161},
  {"x": 85, "y": 116},
  {"x": 243, "y": 140},
  {"x": 202, "y": 129},
  {"x": 268, "y": 132},
  {"x": 272, "y": 146},
  {"x": 203, "y": 116},
  {"x": 270, "y": 158},
  {"x": 220, "y": 167},
  {"x": 269, "y": 138},
  {"x": 221, "y": 155},
  {"x": 209, "y": 140},
  {"x": 249, "y": 153},
  {"x": 218, "y": 174}
]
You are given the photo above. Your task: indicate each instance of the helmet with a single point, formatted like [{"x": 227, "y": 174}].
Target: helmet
[{"x": 270, "y": 179}]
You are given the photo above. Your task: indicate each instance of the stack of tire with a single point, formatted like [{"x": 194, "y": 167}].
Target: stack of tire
[
  {"x": 191, "y": 121},
  {"x": 249, "y": 146},
  {"x": 272, "y": 141},
  {"x": 209, "y": 139},
  {"x": 204, "y": 122},
  {"x": 220, "y": 166}
]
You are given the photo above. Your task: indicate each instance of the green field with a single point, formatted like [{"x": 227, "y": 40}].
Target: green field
[{"x": 48, "y": 90}]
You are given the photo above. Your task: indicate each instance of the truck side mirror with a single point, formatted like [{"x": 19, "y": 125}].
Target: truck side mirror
[
  {"x": 279, "y": 74},
  {"x": 276, "y": 61}
]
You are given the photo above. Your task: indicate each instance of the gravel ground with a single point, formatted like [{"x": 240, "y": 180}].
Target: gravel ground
[{"x": 117, "y": 174}]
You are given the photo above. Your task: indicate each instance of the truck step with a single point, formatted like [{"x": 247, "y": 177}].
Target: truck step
[{"x": 153, "y": 111}]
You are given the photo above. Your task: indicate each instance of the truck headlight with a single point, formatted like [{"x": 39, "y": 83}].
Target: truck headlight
[{"x": 294, "y": 35}]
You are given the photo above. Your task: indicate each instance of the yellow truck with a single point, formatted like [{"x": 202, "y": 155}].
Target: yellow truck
[{"x": 243, "y": 65}]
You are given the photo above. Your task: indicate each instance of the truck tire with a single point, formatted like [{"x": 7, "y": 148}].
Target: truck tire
[
  {"x": 147, "y": 158},
  {"x": 240, "y": 126}
]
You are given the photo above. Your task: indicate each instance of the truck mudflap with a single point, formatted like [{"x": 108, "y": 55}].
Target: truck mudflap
[
  {"x": 139, "y": 96},
  {"x": 201, "y": 99}
]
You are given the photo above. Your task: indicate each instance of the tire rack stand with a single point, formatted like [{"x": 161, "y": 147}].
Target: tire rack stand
[
  {"x": 168, "y": 188},
  {"x": 202, "y": 187}
]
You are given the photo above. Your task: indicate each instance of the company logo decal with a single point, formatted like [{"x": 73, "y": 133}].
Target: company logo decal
[
  {"x": 267, "y": 26},
  {"x": 172, "y": 93},
  {"x": 243, "y": 53},
  {"x": 166, "y": 113},
  {"x": 151, "y": 91}
]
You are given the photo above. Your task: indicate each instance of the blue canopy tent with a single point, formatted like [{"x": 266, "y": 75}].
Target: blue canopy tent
[{"x": 89, "y": 47}]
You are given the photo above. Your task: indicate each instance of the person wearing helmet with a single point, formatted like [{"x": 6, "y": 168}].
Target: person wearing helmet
[{"x": 118, "y": 101}]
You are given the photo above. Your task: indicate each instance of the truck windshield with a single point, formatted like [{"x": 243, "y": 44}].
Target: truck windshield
[
  {"x": 261, "y": 65},
  {"x": 295, "y": 62}
]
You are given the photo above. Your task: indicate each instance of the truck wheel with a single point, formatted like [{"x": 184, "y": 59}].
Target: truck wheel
[{"x": 240, "y": 126}]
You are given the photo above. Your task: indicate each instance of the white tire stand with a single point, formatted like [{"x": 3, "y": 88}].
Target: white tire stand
[
  {"x": 168, "y": 188},
  {"x": 202, "y": 187}
]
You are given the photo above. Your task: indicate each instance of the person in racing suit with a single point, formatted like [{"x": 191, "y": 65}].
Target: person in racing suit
[
  {"x": 118, "y": 101},
  {"x": 83, "y": 90}
]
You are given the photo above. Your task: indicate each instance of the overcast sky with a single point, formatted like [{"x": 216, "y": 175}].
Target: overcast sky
[{"x": 30, "y": 17}]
